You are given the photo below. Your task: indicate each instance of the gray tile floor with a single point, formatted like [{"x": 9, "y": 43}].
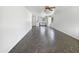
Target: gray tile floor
[{"x": 46, "y": 40}]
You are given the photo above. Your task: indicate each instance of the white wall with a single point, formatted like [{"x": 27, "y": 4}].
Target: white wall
[
  {"x": 15, "y": 22},
  {"x": 66, "y": 19},
  {"x": 33, "y": 20}
]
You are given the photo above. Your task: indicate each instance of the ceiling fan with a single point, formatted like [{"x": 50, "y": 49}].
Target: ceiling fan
[
  {"x": 49, "y": 8},
  {"x": 48, "y": 11}
]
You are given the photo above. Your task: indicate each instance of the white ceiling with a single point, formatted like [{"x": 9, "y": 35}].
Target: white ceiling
[{"x": 36, "y": 10}]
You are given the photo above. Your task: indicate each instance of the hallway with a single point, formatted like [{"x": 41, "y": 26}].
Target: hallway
[{"x": 46, "y": 40}]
